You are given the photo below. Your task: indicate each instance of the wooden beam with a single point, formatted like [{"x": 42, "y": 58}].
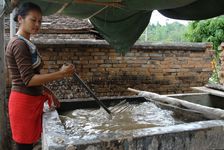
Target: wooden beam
[
  {"x": 209, "y": 91},
  {"x": 207, "y": 112},
  {"x": 4, "y": 140}
]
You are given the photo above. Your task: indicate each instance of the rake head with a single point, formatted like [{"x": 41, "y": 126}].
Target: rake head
[{"x": 120, "y": 107}]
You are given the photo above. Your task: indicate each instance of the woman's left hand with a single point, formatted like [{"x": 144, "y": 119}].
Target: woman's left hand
[{"x": 53, "y": 102}]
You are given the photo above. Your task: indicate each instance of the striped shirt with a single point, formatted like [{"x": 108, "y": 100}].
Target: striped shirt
[{"x": 19, "y": 63}]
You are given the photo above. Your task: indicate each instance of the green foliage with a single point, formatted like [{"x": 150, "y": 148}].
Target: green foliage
[
  {"x": 174, "y": 32},
  {"x": 211, "y": 30}
]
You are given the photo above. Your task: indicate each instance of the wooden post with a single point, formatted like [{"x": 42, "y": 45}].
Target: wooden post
[{"x": 4, "y": 144}]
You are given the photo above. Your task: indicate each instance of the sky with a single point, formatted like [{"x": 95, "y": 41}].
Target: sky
[{"x": 162, "y": 20}]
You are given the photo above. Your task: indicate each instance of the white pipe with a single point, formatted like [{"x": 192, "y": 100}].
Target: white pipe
[
  {"x": 12, "y": 23},
  {"x": 2, "y": 7}
]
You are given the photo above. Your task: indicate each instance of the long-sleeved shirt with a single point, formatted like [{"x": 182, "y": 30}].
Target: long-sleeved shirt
[{"x": 19, "y": 63}]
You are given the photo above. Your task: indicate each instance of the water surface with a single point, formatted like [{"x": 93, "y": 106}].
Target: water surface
[{"x": 82, "y": 122}]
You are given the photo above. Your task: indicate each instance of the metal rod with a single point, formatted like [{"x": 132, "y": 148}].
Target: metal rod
[
  {"x": 117, "y": 106},
  {"x": 91, "y": 93}
]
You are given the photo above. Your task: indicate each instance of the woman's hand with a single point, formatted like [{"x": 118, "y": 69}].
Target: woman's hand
[
  {"x": 39, "y": 79},
  {"x": 53, "y": 102},
  {"x": 67, "y": 70}
]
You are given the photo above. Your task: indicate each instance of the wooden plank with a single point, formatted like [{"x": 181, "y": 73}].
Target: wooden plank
[
  {"x": 3, "y": 101},
  {"x": 209, "y": 91}
]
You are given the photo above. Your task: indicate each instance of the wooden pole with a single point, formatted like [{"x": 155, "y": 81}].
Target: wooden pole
[
  {"x": 4, "y": 144},
  {"x": 208, "y": 112}
]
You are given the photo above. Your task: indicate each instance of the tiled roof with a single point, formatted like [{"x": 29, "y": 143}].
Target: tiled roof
[
  {"x": 63, "y": 27},
  {"x": 64, "y": 22}
]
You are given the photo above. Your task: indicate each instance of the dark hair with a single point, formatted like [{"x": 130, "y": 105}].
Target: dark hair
[{"x": 25, "y": 8}]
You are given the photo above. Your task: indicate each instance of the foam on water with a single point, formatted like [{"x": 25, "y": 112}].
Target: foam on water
[{"x": 82, "y": 122}]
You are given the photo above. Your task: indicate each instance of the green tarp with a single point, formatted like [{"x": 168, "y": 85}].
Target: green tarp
[
  {"x": 121, "y": 22},
  {"x": 201, "y": 9},
  {"x": 121, "y": 29}
]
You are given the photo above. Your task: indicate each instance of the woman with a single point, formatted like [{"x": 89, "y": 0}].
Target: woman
[{"x": 28, "y": 93}]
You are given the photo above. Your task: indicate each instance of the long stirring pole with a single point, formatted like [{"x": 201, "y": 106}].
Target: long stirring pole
[{"x": 91, "y": 93}]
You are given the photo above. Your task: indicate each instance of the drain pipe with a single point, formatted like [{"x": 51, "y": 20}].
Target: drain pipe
[{"x": 208, "y": 112}]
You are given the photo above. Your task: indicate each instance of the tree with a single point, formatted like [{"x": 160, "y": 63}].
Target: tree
[
  {"x": 173, "y": 32},
  {"x": 211, "y": 30}
]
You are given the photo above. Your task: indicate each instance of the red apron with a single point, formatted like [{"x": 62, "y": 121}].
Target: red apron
[{"x": 25, "y": 115}]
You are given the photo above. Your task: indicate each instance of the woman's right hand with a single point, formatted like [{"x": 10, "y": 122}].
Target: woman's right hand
[
  {"x": 67, "y": 70},
  {"x": 39, "y": 79}
]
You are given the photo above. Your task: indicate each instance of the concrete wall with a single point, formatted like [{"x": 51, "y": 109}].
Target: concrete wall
[
  {"x": 157, "y": 67},
  {"x": 198, "y": 135}
]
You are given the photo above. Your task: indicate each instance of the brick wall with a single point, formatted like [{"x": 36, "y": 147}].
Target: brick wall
[{"x": 156, "y": 67}]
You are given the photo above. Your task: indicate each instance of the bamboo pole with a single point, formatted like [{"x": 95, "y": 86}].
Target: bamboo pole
[{"x": 208, "y": 112}]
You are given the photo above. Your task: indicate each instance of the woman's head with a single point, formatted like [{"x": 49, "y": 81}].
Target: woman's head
[{"x": 29, "y": 17}]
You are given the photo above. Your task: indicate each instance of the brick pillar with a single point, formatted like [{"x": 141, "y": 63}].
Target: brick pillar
[
  {"x": 221, "y": 73},
  {"x": 222, "y": 46}
]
